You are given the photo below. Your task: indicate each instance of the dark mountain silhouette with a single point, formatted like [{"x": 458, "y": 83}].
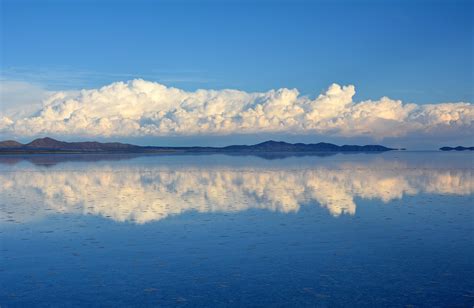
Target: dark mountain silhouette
[
  {"x": 10, "y": 144},
  {"x": 280, "y": 146},
  {"x": 49, "y": 145},
  {"x": 458, "y": 148}
]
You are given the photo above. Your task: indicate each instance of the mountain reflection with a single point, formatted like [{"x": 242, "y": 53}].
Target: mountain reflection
[{"x": 149, "y": 193}]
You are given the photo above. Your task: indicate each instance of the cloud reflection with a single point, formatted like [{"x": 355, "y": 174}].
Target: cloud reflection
[{"x": 143, "y": 194}]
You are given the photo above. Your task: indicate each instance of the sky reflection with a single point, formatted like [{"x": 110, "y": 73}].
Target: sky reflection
[{"x": 143, "y": 193}]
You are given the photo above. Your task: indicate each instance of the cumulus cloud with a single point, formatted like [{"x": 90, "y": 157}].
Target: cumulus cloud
[{"x": 142, "y": 108}]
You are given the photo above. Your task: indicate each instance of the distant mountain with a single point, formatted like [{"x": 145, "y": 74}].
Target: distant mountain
[
  {"x": 458, "y": 148},
  {"x": 10, "y": 144},
  {"x": 280, "y": 146},
  {"x": 49, "y": 145}
]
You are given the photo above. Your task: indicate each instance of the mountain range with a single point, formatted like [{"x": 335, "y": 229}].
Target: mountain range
[
  {"x": 458, "y": 148},
  {"x": 50, "y": 145}
]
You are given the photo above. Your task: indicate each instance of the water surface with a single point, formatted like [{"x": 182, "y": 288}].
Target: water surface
[{"x": 391, "y": 229}]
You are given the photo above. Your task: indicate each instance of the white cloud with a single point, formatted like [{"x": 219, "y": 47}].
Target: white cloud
[{"x": 142, "y": 108}]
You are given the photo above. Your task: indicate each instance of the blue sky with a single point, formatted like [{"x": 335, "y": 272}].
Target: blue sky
[{"x": 416, "y": 51}]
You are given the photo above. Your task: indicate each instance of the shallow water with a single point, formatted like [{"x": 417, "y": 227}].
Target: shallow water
[{"x": 391, "y": 229}]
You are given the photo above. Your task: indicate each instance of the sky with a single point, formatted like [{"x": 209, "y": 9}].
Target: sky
[{"x": 158, "y": 72}]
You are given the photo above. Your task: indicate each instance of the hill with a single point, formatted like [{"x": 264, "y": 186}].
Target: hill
[
  {"x": 458, "y": 148},
  {"x": 50, "y": 145}
]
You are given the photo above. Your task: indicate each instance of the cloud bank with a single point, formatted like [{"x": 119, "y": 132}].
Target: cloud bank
[{"x": 143, "y": 108}]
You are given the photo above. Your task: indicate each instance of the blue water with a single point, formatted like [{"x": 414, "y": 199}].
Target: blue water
[{"x": 391, "y": 229}]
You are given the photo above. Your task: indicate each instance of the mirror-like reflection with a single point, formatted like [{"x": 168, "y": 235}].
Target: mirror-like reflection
[
  {"x": 218, "y": 230},
  {"x": 142, "y": 193}
]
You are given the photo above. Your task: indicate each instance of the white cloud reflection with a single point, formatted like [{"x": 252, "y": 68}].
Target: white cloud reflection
[{"x": 143, "y": 194}]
